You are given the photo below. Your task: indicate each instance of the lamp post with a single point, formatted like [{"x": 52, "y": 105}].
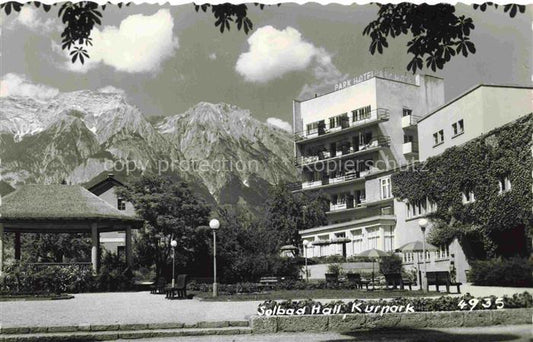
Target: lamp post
[
  {"x": 423, "y": 223},
  {"x": 173, "y": 244},
  {"x": 214, "y": 224},
  {"x": 305, "y": 243}
]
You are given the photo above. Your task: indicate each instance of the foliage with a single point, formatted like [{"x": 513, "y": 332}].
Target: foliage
[
  {"x": 171, "y": 212},
  {"x": 390, "y": 264},
  {"x": 335, "y": 269},
  {"x": 438, "y": 33},
  {"x": 55, "y": 247},
  {"x": 502, "y": 272},
  {"x": 443, "y": 303},
  {"x": 288, "y": 213},
  {"x": 495, "y": 224},
  {"x": 227, "y": 13},
  {"x": 244, "y": 254},
  {"x": 114, "y": 275},
  {"x": 79, "y": 19},
  {"x": 24, "y": 278}
]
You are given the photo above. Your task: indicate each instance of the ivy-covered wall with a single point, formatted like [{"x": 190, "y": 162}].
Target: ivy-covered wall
[{"x": 495, "y": 224}]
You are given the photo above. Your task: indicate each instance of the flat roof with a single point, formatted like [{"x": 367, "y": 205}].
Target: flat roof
[
  {"x": 518, "y": 86},
  {"x": 368, "y": 79}
]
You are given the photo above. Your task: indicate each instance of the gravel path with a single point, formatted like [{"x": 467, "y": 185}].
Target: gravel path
[{"x": 122, "y": 307}]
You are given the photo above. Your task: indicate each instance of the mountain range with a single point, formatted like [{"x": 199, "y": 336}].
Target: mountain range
[{"x": 220, "y": 149}]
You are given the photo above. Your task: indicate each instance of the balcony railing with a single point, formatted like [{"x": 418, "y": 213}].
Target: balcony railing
[
  {"x": 348, "y": 204},
  {"x": 410, "y": 148},
  {"x": 381, "y": 141},
  {"x": 376, "y": 115},
  {"x": 410, "y": 120}
]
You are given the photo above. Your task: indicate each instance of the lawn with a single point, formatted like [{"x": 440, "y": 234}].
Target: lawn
[{"x": 315, "y": 294}]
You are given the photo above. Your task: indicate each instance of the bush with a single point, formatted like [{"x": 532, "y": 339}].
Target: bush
[
  {"x": 335, "y": 269},
  {"x": 502, "y": 272},
  {"x": 114, "y": 274},
  {"x": 22, "y": 278},
  {"x": 390, "y": 265}
]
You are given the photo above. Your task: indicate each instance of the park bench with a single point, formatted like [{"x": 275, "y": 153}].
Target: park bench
[
  {"x": 269, "y": 281},
  {"x": 439, "y": 278},
  {"x": 395, "y": 280},
  {"x": 158, "y": 287},
  {"x": 179, "y": 290},
  {"x": 355, "y": 278}
]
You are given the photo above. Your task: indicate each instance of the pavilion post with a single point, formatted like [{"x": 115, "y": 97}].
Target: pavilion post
[
  {"x": 17, "y": 246},
  {"x": 1, "y": 248},
  {"x": 94, "y": 246},
  {"x": 129, "y": 255}
]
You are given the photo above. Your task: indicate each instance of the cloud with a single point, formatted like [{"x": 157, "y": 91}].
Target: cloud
[
  {"x": 213, "y": 56},
  {"x": 273, "y": 53},
  {"x": 19, "y": 85},
  {"x": 29, "y": 17},
  {"x": 111, "y": 89},
  {"x": 140, "y": 44},
  {"x": 276, "y": 122}
]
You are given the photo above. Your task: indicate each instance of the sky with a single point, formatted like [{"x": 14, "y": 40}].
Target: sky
[{"x": 166, "y": 59}]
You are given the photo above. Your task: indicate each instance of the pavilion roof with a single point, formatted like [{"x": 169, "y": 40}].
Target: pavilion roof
[{"x": 56, "y": 202}]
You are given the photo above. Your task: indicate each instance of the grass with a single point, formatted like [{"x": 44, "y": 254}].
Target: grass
[
  {"x": 315, "y": 294},
  {"x": 30, "y": 297}
]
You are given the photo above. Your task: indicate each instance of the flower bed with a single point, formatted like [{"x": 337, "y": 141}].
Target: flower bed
[{"x": 444, "y": 303}]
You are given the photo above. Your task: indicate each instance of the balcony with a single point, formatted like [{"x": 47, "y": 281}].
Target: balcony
[
  {"x": 409, "y": 120},
  {"x": 351, "y": 151},
  {"x": 410, "y": 148},
  {"x": 313, "y": 184},
  {"x": 375, "y": 116},
  {"x": 348, "y": 204}
]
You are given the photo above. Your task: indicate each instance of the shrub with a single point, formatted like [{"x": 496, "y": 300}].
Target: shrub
[
  {"x": 502, "y": 272},
  {"x": 335, "y": 269},
  {"x": 22, "y": 278},
  {"x": 390, "y": 264},
  {"x": 114, "y": 275}
]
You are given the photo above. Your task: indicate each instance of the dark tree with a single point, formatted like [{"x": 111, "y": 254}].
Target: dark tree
[
  {"x": 437, "y": 32},
  {"x": 171, "y": 212}
]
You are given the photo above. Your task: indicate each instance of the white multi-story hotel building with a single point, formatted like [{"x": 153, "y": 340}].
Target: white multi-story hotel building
[{"x": 348, "y": 143}]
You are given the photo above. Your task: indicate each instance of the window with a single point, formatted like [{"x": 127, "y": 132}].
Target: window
[
  {"x": 438, "y": 137},
  {"x": 407, "y": 139},
  {"x": 468, "y": 197},
  {"x": 408, "y": 257},
  {"x": 443, "y": 252},
  {"x": 337, "y": 121},
  {"x": 372, "y": 238},
  {"x": 458, "y": 127},
  {"x": 389, "y": 239},
  {"x": 361, "y": 113},
  {"x": 121, "y": 204},
  {"x": 505, "y": 184},
  {"x": 312, "y": 128},
  {"x": 357, "y": 241},
  {"x": 407, "y": 111},
  {"x": 385, "y": 186}
]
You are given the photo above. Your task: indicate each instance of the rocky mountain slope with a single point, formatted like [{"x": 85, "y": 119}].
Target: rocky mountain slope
[{"x": 76, "y": 136}]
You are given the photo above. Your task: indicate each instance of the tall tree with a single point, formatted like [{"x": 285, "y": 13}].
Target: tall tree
[{"x": 171, "y": 212}]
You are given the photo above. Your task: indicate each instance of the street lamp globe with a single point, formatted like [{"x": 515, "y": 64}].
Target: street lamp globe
[
  {"x": 173, "y": 243},
  {"x": 423, "y": 223},
  {"x": 214, "y": 224}
]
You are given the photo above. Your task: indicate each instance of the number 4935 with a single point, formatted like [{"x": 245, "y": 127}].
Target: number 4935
[{"x": 484, "y": 302}]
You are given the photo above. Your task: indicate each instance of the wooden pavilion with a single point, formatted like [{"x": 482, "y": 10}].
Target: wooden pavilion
[{"x": 62, "y": 209}]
